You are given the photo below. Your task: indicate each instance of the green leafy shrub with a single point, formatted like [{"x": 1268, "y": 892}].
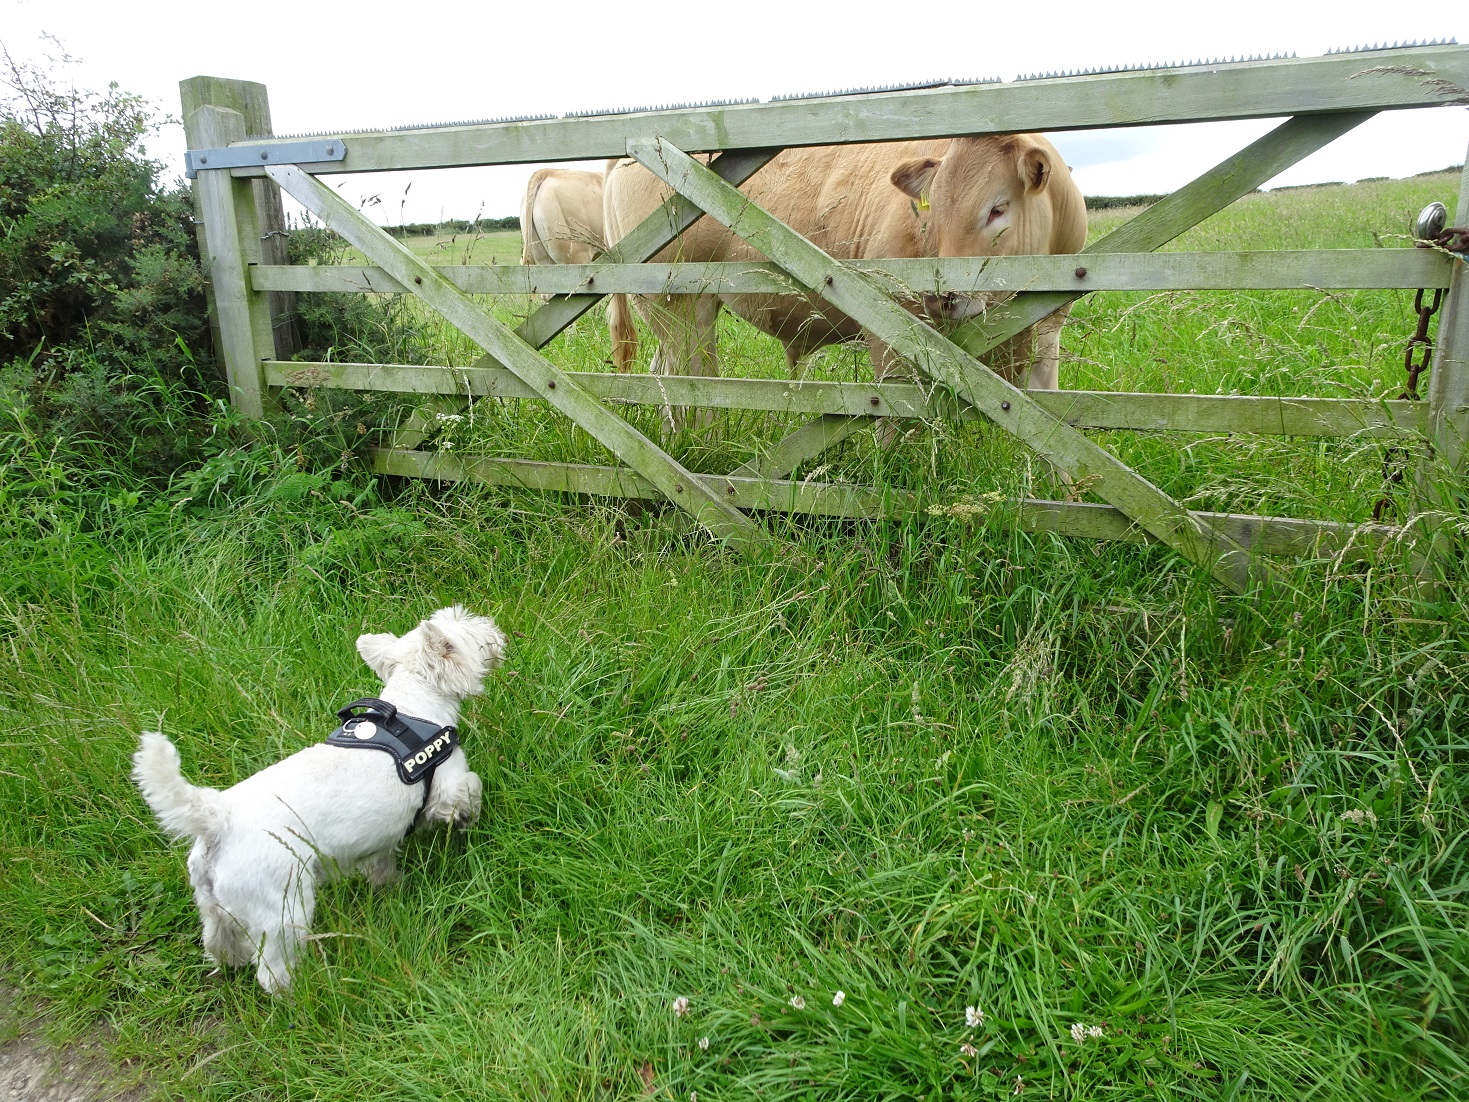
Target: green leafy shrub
[{"x": 95, "y": 253}]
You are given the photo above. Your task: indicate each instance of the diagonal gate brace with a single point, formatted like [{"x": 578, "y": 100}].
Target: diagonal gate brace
[
  {"x": 558, "y": 388},
  {"x": 1194, "y": 537}
]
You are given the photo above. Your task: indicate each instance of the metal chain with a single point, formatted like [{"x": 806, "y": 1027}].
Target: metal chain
[{"x": 1416, "y": 358}]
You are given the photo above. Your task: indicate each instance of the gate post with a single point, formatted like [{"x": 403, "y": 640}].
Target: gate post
[
  {"x": 250, "y": 100},
  {"x": 1443, "y": 482},
  {"x": 231, "y": 243}
]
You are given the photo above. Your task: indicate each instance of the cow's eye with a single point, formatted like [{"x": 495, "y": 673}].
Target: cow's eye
[{"x": 998, "y": 211}]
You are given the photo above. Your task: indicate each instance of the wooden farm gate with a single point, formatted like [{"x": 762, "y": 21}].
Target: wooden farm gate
[{"x": 233, "y": 155}]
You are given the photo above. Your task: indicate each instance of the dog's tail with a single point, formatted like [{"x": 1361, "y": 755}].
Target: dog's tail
[{"x": 185, "y": 810}]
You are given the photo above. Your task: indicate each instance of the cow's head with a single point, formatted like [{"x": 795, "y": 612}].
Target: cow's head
[{"x": 1010, "y": 195}]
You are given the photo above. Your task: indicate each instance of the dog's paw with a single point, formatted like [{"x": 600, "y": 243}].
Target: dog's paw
[
  {"x": 381, "y": 869},
  {"x": 467, "y": 812}
]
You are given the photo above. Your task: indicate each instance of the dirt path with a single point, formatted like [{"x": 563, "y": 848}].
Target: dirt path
[{"x": 33, "y": 1071}]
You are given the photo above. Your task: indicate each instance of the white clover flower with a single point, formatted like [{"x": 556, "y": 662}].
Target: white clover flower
[
  {"x": 1359, "y": 816},
  {"x": 680, "y": 1006},
  {"x": 703, "y": 1044},
  {"x": 966, "y": 1049},
  {"x": 798, "y": 1002},
  {"x": 1094, "y": 1032},
  {"x": 1078, "y": 1033},
  {"x": 973, "y": 1017},
  {"x": 839, "y": 998}
]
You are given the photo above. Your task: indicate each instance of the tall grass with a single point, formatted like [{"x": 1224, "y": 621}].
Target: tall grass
[{"x": 932, "y": 765}]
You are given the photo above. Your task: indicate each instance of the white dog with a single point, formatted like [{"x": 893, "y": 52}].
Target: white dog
[{"x": 261, "y": 847}]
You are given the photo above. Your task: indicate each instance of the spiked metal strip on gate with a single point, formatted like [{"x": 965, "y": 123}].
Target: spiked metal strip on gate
[{"x": 1321, "y": 98}]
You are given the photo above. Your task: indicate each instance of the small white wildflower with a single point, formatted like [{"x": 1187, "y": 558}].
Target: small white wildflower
[
  {"x": 798, "y": 1002},
  {"x": 1019, "y": 1086},
  {"x": 446, "y": 445},
  {"x": 1078, "y": 1033},
  {"x": 1093, "y": 1032},
  {"x": 1359, "y": 816},
  {"x": 450, "y": 418},
  {"x": 693, "y": 1096},
  {"x": 839, "y": 998},
  {"x": 966, "y": 1049},
  {"x": 973, "y": 1017},
  {"x": 680, "y": 1006},
  {"x": 703, "y": 1044}
]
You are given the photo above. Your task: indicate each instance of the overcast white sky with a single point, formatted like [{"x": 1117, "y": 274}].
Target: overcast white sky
[{"x": 370, "y": 64}]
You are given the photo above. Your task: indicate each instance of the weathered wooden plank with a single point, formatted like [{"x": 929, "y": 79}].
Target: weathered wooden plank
[
  {"x": 227, "y": 207},
  {"x": 1318, "y": 269},
  {"x": 1010, "y": 408},
  {"x": 1322, "y": 417},
  {"x": 817, "y": 498},
  {"x": 1284, "y": 536},
  {"x": 554, "y": 385},
  {"x": 251, "y": 101},
  {"x": 1369, "y": 81},
  {"x": 1208, "y": 194},
  {"x": 1268, "y": 535},
  {"x": 793, "y": 449}
]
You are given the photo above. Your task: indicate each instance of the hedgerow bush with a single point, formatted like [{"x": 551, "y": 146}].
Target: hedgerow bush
[{"x": 103, "y": 324}]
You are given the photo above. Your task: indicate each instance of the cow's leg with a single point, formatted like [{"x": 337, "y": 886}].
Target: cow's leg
[
  {"x": 1045, "y": 360},
  {"x": 687, "y": 331}
]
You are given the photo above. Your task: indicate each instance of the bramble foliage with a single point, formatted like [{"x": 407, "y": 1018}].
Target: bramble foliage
[
  {"x": 95, "y": 253},
  {"x": 103, "y": 327}
]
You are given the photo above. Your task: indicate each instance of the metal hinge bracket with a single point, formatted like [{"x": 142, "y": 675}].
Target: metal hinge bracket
[{"x": 264, "y": 153}]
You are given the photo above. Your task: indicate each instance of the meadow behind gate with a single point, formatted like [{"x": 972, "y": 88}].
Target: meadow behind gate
[{"x": 1166, "y": 843}]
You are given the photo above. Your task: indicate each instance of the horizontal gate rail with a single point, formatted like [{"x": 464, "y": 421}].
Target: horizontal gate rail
[
  {"x": 1088, "y": 409},
  {"x": 1305, "y": 269},
  {"x": 1427, "y": 76},
  {"x": 1283, "y": 536}
]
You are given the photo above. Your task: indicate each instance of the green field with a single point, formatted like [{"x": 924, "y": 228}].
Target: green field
[{"x": 932, "y": 765}]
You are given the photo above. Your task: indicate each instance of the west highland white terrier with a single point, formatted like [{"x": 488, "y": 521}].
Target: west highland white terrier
[{"x": 261, "y": 847}]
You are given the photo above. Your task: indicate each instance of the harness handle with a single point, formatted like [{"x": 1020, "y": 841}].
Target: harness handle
[{"x": 372, "y": 706}]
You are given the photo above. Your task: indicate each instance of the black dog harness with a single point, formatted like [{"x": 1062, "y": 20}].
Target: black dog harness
[{"x": 417, "y": 745}]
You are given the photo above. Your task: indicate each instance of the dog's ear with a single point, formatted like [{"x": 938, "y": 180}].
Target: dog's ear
[
  {"x": 450, "y": 659},
  {"x": 377, "y": 652}
]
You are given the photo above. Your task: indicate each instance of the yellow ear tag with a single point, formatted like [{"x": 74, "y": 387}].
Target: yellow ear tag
[{"x": 923, "y": 202}]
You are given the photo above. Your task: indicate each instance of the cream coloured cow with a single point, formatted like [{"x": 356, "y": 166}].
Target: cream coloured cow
[
  {"x": 988, "y": 196},
  {"x": 561, "y": 217}
]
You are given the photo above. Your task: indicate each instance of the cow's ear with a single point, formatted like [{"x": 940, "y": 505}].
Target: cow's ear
[
  {"x": 1035, "y": 168},
  {"x": 913, "y": 177}
]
